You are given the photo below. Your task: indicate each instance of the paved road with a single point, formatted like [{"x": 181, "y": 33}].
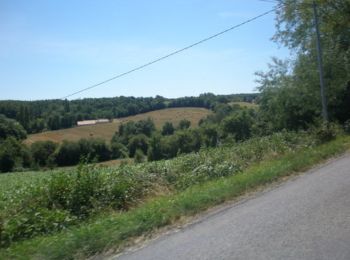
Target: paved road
[{"x": 304, "y": 218}]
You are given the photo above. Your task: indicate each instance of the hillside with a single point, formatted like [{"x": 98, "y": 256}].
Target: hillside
[{"x": 107, "y": 130}]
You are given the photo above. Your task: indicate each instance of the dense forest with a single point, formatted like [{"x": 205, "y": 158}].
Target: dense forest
[{"x": 38, "y": 116}]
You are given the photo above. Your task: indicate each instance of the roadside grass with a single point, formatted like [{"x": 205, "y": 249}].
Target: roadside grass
[{"x": 112, "y": 232}]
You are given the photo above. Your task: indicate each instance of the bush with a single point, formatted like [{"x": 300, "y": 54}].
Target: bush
[
  {"x": 42, "y": 151},
  {"x": 239, "y": 125},
  {"x": 13, "y": 154},
  {"x": 139, "y": 141},
  {"x": 326, "y": 132},
  {"x": 347, "y": 126},
  {"x": 68, "y": 153},
  {"x": 184, "y": 124},
  {"x": 119, "y": 150},
  {"x": 11, "y": 128},
  {"x": 168, "y": 128},
  {"x": 139, "y": 156}
]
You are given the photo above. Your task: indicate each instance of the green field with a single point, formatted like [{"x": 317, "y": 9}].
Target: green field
[{"x": 36, "y": 204}]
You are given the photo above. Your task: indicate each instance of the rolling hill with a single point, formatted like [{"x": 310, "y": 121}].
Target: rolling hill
[{"x": 107, "y": 130}]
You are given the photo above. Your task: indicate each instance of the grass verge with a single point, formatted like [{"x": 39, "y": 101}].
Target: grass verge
[{"x": 113, "y": 231}]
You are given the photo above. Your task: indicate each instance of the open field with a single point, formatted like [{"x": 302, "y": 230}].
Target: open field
[{"x": 107, "y": 130}]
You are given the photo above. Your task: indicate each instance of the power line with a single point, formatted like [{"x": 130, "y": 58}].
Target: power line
[{"x": 172, "y": 53}]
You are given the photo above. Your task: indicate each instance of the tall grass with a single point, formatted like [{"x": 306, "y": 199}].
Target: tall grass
[
  {"x": 55, "y": 201},
  {"x": 112, "y": 230}
]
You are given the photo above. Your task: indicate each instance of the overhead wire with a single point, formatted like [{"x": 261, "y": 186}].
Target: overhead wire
[{"x": 172, "y": 53}]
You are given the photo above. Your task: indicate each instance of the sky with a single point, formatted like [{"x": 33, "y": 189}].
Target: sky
[{"x": 50, "y": 49}]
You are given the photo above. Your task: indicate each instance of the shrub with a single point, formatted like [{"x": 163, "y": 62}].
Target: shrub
[
  {"x": 184, "y": 124},
  {"x": 168, "y": 128},
  {"x": 139, "y": 156},
  {"x": 139, "y": 141},
  {"x": 13, "y": 154},
  {"x": 11, "y": 128},
  {"x": 42, "y": 151},
  {"x": 68, "y": 153},
  {"x": 326, "y": 132},
  {"x": 347, "y": 126},
  {"x": 118, "y": 150}
]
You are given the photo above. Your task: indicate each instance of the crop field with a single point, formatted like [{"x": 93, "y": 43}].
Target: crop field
[{"x": 107, "y": 130}]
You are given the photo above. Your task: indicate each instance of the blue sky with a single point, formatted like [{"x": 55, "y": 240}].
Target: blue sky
[{"x": 49, "y": 49}]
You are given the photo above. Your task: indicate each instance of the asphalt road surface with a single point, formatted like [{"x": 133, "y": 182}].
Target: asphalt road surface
[{"x": 304, "y": 218}]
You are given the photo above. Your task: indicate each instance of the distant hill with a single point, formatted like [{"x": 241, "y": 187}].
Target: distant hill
[
  {"x": 41, "y": 115},
  {"x": 107, "y": 130}
]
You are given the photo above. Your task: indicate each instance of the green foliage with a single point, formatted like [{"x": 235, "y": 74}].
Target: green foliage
[
  {"x": 184, "y": 124},
  {"x": 139, "y": 141},
  {"x": 13, "y": 154},
  {"x": 239, "y": 125},
  {"x": 93, "y": 149},
  {"x": 114, "y": 230},
  {"x": 68, "y": 153},
  {"x": 62, "y": 198},
  {"x": 168, "y": 128},
  {"x": 11, "y": 128},
  {"x": 290, "y": 97},
  {"x": 42, "y": 152},
  {"x": 139, "y": 156},
  {"x": 326, "y": 132},
  {"x": 36, "y": 116},
  {"x": 347, "y": 126},
  {"x": 119, "y": 150}
]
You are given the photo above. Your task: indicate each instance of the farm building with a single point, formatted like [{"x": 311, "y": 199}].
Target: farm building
[{"x": 92, "y": 122}]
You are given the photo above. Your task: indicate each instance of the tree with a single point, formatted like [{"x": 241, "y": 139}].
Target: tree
[
  {"x": 239, "y": 124},
  {"x": 118, "y": 150},
  {"x": 295, "y": 29},
  {"x": 287, "y": 101},
  {"x": 12, "y": 153},
  {"x": 11, "y": 128},
  {"x": 42, "y": 151},
  {"x": 210, "y": 135},
  {"x": 184, "y": 124},
  {"x": 145, "y": 127},
  {"x": 139, "y": 141},
  {"x": 168, "y": 128},
  {"x": 68, "y": 153},
  {"x": 155, "y": 148}
]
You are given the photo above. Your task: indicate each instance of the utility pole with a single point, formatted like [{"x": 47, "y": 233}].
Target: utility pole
[{"x": 320, "y": 64}]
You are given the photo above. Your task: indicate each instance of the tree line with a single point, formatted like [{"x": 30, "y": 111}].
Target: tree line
[
  {"x": 139, "y": 140},
  {"x": 38, "y": 116}
]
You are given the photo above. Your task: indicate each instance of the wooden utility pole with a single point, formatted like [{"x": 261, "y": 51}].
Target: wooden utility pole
[{"x": 320, "y": 65}]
